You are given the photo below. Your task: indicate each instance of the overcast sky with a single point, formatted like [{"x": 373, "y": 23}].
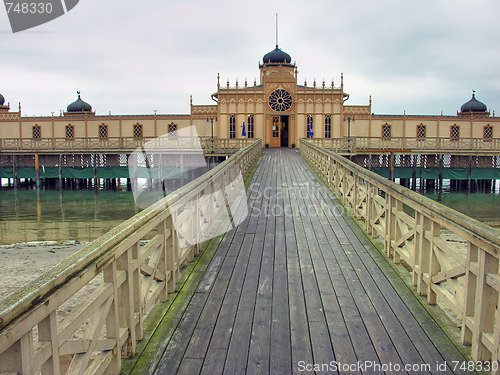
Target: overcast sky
[{"x": 131, "y": 57}]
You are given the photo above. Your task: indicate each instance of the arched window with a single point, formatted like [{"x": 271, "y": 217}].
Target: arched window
[
  {"x": 103, "y": 131},
  {"x": 137, "y": 131},
  {"x": 488, "y": 132},
  {"x": 454, "y": 132},
  {"x": 251, "y": 128},
  {"x": 328, "y": 126},
  {"x": 70, "y": 132},
  {"x": 386, "y": 131},
  {"x": 172, "y": 130},
  {"x": 310, "y": 126},
  {"x": 37, "y": 132},
  {"x": 232, "y": 126},
  {"x": 421, "y": 131}
]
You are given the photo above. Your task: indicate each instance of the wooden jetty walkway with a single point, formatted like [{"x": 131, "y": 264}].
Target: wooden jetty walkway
[{"x": 296, "y": 288}]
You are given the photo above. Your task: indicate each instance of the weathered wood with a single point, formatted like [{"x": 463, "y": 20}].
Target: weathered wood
[
  {"x": 135, "y": 279},
  {"x": 436, "y": 264}
]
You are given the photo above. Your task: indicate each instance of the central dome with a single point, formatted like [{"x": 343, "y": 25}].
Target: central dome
[
  {"x": 277, "y": 56},
  {"x": 2, "y": 99}
]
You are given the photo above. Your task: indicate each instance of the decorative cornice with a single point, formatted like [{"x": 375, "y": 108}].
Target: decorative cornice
[
  {"x": 352, "y": 110},
  {"x": 9, "y": 116},
  {"x": 204, "y": 110}
]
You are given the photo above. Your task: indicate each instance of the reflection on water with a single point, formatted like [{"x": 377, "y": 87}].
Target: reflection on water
[
  {"x": 481, "y": 206},
  {"x": 83, "y": 215}
]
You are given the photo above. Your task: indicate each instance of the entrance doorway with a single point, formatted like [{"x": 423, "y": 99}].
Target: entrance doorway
[
  {"x": 285, "y": 133},
  {"x": 280, "y": 132}
]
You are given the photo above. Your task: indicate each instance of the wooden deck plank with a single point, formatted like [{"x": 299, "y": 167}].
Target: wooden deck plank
[{"x": 296, "y": 284}]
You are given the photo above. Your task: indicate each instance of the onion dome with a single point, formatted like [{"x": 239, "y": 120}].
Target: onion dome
[
  {"x": 277, "y": 56},
  {"x": 79, "y": 105},
  {"x": 2, "y": 99},
  {"x": 473, "y": 105}
]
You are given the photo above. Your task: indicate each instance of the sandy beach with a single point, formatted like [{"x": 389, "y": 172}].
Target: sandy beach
[{"x": 23, "y": 262}]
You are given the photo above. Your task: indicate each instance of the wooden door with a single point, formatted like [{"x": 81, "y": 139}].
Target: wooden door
[{"x": 275, "y": 132}]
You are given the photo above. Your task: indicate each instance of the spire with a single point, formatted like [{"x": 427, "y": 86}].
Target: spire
[{"x": 276, "y": 30}]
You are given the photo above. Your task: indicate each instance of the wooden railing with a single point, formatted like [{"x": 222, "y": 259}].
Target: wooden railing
[
  {"x": 406, "y": 144},
  {"x": 115, "y": 144},
  {"x": 454, "y": 259},
  {"x": 139, "y": 262}
]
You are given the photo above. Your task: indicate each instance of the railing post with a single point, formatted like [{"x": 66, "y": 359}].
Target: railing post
[
  {"x": 433, "y": 269},
  {"x": 19, "y": 357},
  {"x": 485, "y": 306},
  {"x": 172, "y": 257},
  {"x": 47, "y": 331},
  {"x": 163, "y": 265},
  {"x": 397, "y": 207},
  {"x": 113, "y": 318},
  {"x": 470, "y": 291}
]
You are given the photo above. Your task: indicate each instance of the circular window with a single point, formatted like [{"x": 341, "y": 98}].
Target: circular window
[{"x": 280, "y": 100}]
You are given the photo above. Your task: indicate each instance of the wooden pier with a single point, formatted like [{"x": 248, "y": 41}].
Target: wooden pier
[{"x": 297, "y": 285}]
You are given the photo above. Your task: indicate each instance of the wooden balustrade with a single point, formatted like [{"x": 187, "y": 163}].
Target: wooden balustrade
[
  {"x": 454, "y": 259},
  {"x": 139, "y": 261},
  {"x": 406, "y": 144},
  {"x": 115, "y": 144}
]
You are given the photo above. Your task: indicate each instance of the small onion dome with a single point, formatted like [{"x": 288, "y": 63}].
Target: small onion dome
[
  {"x": 79, "y": 105},
  {"x": 277, "y": 56},
  {"x": 473, "y": 105},
  {"x": 2, "y": 99}
]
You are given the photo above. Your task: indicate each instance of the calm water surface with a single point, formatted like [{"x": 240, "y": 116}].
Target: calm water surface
[
  {"x": 84, "y": 215},
  {"x": 51, "y": 215}
]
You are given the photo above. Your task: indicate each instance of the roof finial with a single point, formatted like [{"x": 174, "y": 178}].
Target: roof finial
[
  {"x": 78, "y": 92},
  {"x": 276, "y": 30},
  {"x": 473, "y": 93}
]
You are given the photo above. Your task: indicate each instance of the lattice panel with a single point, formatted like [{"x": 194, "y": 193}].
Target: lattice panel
[
  {"x": 37, "y": 132},
  {"x": 455, "y": 132},
  {"x": 459, "y": 161},
  {"x": 172, "y": 130},
  {"x": 138, "y": 131},
  {"x": 103, "y": 131},
  {"x": 421, "y": 131},
  {"x": 386, "y": 131},
  {"x": 70, "y": 132},
  {"x": 488, "y": 132}
]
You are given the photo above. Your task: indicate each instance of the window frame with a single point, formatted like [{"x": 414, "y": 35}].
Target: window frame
[
  {"x": 251, "y": 126},
  {"x": 383, "y": 132},
  {"x": 232, "y": 126},
  {"x": 490, "y": 137},
  {"x": 36, "y": 128},
  {"x": 141, "y": 131},
  {"x": 328, "y": 126},
  {"x": 309, "y": 126},
  {"x": 452, "y": 136},
  {"x": 103, "y": 135},
  {"x": 66, "y": 129},
  {"x": 172, "y": 130},
  {"x": 418, "y": 136}
]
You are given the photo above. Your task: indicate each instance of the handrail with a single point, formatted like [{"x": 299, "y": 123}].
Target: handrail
[
  {"x": 413, "y": 229},
  {"x": 408, "y": 144},
  {"x": 115, "y": 144},
  {"x": 135, "y": 278}
]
